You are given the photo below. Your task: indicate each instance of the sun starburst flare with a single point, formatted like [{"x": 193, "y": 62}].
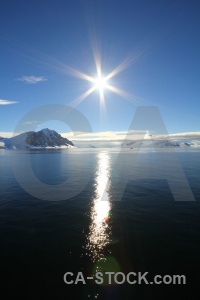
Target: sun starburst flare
[{"x": 101, "y": 83}]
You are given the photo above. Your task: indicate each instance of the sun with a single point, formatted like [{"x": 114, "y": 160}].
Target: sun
[{"x": 100, "y": 83}]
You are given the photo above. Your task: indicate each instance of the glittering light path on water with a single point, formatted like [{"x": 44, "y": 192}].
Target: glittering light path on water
[{"x": 100, "y": 230}]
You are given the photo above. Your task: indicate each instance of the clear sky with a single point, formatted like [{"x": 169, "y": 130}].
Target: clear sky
[{"x": 156, "y": 44}]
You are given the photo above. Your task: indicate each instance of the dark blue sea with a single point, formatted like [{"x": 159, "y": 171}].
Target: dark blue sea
[{"x": 108, "y": 210}]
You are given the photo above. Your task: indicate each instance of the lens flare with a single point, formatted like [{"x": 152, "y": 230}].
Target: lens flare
[{"x": 101, "y": 84}]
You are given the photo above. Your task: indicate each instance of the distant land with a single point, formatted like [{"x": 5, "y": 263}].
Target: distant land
[
  {"x": 135, "y": 139},
  {"x": 50, "y": 139},
  {"x": 43, "y": 139},
  {"x": 164, "y": 143}
]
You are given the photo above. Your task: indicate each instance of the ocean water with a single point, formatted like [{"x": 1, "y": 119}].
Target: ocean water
[{"x": 99, "y": 210}]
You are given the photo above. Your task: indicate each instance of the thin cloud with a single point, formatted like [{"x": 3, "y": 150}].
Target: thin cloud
[
  {"x": 31, "y": 122},
  {"x": 8, "y": 134},
  {"x": 7, "y": 102},
  {"x": 32, "y": 79},
  {"x": 111, "y": 136},
  {"x": 104, "y": 136}
]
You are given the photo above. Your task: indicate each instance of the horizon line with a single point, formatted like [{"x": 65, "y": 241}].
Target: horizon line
[{"x": 108, "y": 135}]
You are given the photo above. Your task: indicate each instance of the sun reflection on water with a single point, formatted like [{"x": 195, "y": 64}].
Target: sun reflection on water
[{"x": 99, "y": 230}]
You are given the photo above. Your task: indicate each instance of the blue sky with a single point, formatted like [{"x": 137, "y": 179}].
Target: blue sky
[{"x": 158, "y": 40}]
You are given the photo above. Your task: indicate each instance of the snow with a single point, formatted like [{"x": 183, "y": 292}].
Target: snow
[
  {"x": 2, "y": 145},
  {"x": 48, "y": 132}
]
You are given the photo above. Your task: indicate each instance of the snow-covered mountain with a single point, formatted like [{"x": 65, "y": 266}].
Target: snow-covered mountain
[{"x": 45, "y": 138}]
